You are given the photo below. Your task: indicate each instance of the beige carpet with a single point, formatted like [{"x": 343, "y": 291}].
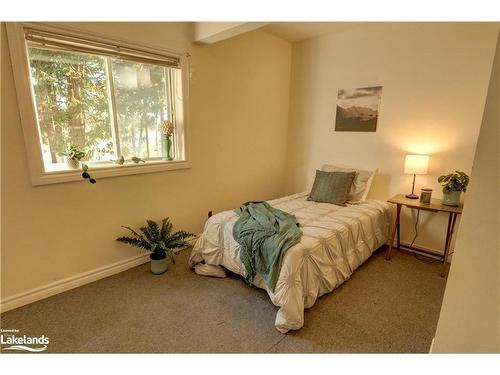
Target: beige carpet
[{"x": 385, "y": 307}]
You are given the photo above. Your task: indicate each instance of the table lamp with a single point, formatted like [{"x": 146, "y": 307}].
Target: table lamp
[{"x": 415, "y": 164}]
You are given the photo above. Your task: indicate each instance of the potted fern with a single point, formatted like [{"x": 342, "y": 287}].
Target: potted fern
[
  {"x": 159, "y": 240},
  {"x": 453, "y": 185}
]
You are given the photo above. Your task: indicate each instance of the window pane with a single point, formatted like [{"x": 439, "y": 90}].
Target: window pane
[
  {"x": 72, "y": 103},
  {"x": 142, "y": 105}
]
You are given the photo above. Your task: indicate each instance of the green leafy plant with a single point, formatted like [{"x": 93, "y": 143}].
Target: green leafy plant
[
  {"x": 457, "y": 181},
  {"x": 159, "y": 240},
  {"x": 73, "y": 152},
  {"x": 73, "y": 103}
]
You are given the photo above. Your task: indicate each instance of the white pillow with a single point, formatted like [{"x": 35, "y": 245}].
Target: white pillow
[{"x": 361, "y": 184}]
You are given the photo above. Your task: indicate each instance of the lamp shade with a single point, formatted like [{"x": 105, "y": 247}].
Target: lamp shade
[{"x": 416, "y": 164}]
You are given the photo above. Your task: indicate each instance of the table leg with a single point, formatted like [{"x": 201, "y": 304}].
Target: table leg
[
  {"x": 396, "y": 228},
  {"x": 398, "y": 218},
  {"x": 449, "y": 234}
]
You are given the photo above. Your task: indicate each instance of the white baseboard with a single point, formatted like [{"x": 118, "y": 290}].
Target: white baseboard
[{"x": 72, "y": 282}]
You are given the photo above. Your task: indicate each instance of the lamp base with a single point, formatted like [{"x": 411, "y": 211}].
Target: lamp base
[{"x": 411, "y": 196}]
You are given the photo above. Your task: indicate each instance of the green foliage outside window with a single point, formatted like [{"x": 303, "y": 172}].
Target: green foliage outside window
[{"x": 76, "y": 105}]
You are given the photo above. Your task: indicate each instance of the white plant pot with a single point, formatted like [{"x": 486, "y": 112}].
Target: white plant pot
[
  {"x": 73, "y": 164},
  {"x": 159, "y": 266},
  {"x": 452, "y": 198}
]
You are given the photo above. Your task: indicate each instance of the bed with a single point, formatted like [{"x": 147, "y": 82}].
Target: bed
[{"x": 336, "y": 240}]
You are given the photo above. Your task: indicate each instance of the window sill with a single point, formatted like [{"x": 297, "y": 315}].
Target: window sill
[{"x": 59, "y": 175}]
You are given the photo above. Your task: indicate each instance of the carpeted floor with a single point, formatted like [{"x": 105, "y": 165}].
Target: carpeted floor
[{"x": 385, "y": 307}]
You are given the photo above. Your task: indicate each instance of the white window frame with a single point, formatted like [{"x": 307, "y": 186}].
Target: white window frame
[{"x": 28, "y": 111}]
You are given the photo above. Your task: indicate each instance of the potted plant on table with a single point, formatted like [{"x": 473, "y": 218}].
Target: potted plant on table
[
  {"x": 160, "y": 241},
  {"x": 453, "y": 185}
]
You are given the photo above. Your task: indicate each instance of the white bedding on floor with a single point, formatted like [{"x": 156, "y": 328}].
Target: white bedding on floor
[{"x": 336, "y": 241}]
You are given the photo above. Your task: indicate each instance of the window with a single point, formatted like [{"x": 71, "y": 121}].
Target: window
[{"x": 113, "y": 101}]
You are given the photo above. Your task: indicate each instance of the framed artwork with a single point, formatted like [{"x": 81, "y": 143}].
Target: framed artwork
[{"x": 357, "y": 109}]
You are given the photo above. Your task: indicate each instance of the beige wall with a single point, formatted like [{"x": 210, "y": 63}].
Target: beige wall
[
  {"x": 434, "y": 79},
  {"x": 470, "y": 315},
  {"x": 239, "y": 118}
]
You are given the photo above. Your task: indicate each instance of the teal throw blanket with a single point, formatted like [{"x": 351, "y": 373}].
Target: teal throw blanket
[{"x": 265, "y": 234}]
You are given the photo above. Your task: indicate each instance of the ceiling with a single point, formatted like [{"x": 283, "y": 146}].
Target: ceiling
[
  {"x": 298, "y": 31},
  {"x": 290, "y": 31}
]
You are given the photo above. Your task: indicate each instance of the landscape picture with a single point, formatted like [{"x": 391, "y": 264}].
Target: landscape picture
[{"x": 357, "y": 109}]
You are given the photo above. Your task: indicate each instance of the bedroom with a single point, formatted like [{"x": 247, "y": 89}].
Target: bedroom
[{"x": 253, "y": 106}]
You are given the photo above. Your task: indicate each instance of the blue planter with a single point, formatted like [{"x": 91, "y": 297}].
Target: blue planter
[{"x": 452, "y": 198}]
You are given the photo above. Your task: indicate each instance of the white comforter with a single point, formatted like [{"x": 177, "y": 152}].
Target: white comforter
[{"x": 336, "y": 240}]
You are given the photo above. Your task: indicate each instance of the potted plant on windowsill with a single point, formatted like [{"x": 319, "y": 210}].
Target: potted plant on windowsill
[
  {"x": 73, "y": 156},
  {"x": 453, "y": 185},
  {"x": 166, "y": 130},
  {"x": 160, "y": 241}
]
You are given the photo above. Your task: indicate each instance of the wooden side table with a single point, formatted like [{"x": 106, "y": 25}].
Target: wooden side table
[{"x": 435, "y": 206}]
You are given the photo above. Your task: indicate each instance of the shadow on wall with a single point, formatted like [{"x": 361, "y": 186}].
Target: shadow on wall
[{"x": 380, "y": 186}]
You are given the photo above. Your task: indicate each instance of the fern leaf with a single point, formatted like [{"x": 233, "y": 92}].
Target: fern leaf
[
  {"x": 180, "y": 235},
  {"x": 133, "y": 231},
  {"x": 140, "y": 243},
  {"x": 166, "y": 228},
  {"x": 178, "y": 244},
  {"x": 153, "y": 230},
  {"x": 171, "y": 256},
  {"x": 147, "y": 234}
]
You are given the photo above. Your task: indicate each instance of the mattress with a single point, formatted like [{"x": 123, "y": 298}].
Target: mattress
[{"x": 336, "y": 240}]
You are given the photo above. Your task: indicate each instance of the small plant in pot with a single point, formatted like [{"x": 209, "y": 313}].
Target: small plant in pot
[
  {"x": 73, "y": 156},
  {"x": 159, "y": 240},
  {"x": 453, "y": 185}
]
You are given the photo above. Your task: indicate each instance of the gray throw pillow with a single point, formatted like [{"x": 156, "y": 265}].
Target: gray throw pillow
[{"x": 332, "y": 187}]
